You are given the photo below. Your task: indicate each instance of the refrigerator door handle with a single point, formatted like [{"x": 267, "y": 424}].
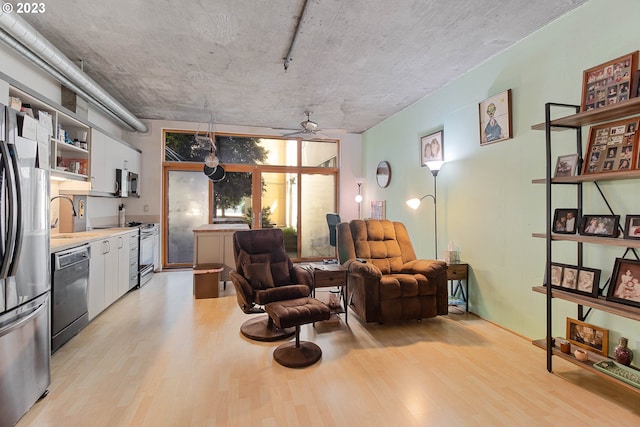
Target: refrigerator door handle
[
  {"x": 10, "y": 220},
  {"x": 13, "y": 267},
  {"x": 7, "y": 329}
]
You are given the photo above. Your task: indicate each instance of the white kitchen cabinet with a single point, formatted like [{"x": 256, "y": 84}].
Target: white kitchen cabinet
[
  {"x": 107, "y": 155},
  {"x": 96, "y": 295},
  {"x": 108, "y": 272}
]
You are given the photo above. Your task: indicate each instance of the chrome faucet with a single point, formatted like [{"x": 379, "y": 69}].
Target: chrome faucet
[{"x": 70, "y": 201}]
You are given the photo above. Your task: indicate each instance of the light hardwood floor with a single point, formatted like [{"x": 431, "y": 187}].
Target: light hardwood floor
[{"x": 160, "y": 358}]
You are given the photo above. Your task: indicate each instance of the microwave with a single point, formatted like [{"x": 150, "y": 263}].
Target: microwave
[
  {"x": 133, "y": 182},
  {"x": 127, "y": 184}
]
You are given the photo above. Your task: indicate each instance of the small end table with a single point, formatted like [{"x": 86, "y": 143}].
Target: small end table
[
  {"x": 328, "y": 276},
  {"x": 457, "y": 272}
]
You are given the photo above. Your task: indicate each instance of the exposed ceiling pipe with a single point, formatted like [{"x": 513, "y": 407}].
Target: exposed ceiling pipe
[
  {"x": 31, "y": 40},
  {"x": 287, "y": 59},
  {"x": 10, "y": 41}
]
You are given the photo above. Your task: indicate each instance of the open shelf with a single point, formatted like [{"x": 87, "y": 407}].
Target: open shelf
[
  {"x": 599, "y": 303},
  {"x": 604, "y": 176},
  {"x": 611, "y": 112},
  {"x": 610, "y": 241},
  {"x": 588, "y": 364}
]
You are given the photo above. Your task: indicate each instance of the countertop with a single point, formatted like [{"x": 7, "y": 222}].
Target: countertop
[
  {"x": 62, "y": 241},
  {"x": 220, "y": 227}
]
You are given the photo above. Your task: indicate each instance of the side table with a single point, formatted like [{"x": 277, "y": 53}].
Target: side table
[
  {"x": 456, "y": 273},
  {"x": 329, "y": 276}
]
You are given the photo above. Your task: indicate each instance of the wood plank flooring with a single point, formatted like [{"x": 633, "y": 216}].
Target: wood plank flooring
[{"x": 160, "y": 358}]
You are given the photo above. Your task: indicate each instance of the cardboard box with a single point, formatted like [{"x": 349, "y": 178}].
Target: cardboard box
[{"x": 206, "y": 280}]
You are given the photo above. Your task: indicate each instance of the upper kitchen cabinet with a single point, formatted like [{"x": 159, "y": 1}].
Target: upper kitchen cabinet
[{"x": 107, "y": 155}]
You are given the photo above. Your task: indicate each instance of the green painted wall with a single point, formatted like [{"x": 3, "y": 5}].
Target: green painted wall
[{"x": 487, "y": 205}]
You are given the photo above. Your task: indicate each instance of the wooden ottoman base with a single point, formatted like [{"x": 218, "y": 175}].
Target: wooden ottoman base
[
  {"x": 262, "y": 328},
  {"x": 297, "y": 354}
]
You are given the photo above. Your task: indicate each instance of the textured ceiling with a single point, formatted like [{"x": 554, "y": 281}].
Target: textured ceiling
[{"x": 355, "y": 63}]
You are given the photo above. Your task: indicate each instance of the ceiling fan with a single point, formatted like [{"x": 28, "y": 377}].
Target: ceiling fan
[{"x": 309, "y": 127}]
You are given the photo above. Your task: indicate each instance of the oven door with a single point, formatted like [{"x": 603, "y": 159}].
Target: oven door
[{"x": 147, "y": 253}]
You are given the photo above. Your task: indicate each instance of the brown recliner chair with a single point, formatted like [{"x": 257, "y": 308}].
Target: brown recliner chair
[
  {"x": 387, "y": 283},
  {"x": 264, "y": 273}
]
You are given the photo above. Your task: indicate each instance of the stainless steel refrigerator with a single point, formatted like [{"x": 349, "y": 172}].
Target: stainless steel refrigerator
[{"x": 24, "y": 273}]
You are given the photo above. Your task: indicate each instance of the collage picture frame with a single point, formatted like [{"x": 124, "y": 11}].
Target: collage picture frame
[
  {"x": 613, "y": 147},
  {"x": 609, "y": 83}
]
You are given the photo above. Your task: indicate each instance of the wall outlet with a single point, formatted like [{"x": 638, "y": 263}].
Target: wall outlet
[{"x": 146, "y": 208}]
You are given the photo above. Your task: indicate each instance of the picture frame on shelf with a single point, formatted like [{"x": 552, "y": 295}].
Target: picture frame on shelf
[
  {"x": 612, "y": 147},
  {"x": 588, "y": 282},
  {"x": 599, "y": 225},
  {"x": 495, "y": 118},
  {"x": 632, "y": 227},
  {"x": 625, "y": 287},
  {"x": 556, "y": 275},
  {"x": 565, "y": 221},
  {"x": 588, "y": 336},
  {"x": 566, "y": 165},
  {"x": 609, "y": 83},
  {"x": 432, "y": 148},
  {"x": 579, "y": 280}
]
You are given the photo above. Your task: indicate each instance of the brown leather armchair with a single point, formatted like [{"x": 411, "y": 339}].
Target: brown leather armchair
[
  {"x": 387, "y": 283},
  {"x": 264, "y": 273}
]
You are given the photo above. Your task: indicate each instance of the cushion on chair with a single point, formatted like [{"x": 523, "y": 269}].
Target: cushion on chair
[{"x": 259, "y": 275}]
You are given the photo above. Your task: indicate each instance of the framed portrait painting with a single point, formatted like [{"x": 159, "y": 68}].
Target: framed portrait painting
[
  {"x": 432, "y": 148},
  {"x": 495, "y": 118}
]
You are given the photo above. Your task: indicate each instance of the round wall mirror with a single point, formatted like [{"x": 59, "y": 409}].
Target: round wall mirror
[{"x": 383, "y": 174}]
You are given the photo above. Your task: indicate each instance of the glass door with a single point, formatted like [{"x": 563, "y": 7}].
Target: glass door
[{"x": 187, "y": 208}]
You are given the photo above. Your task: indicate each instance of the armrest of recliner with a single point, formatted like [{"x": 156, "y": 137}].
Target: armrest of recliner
[
  {"x": 302, "y": 275},
  {"x": 244, "y": 291},
  {"x": 367, "y": 270},
  {"x": 430, "y": 268},
  {"x": 436, "y": 271}
]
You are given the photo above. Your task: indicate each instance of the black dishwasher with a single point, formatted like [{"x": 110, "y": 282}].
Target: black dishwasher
[{"x": 69, "y": 309}]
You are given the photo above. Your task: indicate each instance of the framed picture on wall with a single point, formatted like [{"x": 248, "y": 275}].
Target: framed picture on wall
[
  {"x": 609, "y": 83},
  {"x": 378, "y": 209},
  {"x": 495, "y": 118},
  {"x": 432, "y": 148}
]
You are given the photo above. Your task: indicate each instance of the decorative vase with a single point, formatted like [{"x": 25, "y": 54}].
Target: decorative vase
[{"x": 622, "y": 353}]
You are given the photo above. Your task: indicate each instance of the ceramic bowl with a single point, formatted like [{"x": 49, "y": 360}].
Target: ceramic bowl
[{"x": 581, "y": 355}]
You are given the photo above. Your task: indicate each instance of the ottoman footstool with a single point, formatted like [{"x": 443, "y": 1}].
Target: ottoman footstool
[{"x": 293, "y": 313}]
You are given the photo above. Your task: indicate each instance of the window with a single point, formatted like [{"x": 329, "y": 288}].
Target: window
[{"x": 269, "y": 182}]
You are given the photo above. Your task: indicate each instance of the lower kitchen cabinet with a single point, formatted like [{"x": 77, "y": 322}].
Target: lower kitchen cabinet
[{"x": 108, "y": 272}]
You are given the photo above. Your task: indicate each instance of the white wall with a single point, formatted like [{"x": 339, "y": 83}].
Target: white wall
[{"x": 487, "y": 204}]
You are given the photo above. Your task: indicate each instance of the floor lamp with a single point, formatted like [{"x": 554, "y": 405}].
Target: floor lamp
[{"x": 434, "y": 167}]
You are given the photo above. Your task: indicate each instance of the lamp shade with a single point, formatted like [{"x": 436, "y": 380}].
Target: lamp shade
[
  {"x": 358, "y": 198},
  {"x": 413, "y": 203},
  {"x": 434, "y": 166}
]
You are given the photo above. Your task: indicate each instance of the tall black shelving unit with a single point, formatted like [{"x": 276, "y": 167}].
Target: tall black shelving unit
[{"x": 575, "y": 122}]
